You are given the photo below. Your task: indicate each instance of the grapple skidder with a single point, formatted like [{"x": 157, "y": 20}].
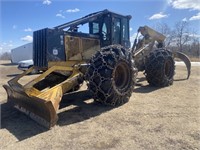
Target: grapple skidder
[{"x": 101, "y": 55}]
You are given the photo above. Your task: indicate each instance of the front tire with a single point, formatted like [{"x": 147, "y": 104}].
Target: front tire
[
  {"x": 111, "y": 75},
  {"x": 159, "y": 68}
]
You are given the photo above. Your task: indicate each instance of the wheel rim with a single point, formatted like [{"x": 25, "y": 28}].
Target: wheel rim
[{"x": 122, "y": 75}]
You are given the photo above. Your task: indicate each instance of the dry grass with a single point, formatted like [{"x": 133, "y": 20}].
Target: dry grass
[
  {"x": 195, "y": 59},
  {"x": 192, "y": 59},
  {"x": 166, "y": 118}
]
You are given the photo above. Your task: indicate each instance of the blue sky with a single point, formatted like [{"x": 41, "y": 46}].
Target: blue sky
[{"x": 20, "y": 18}]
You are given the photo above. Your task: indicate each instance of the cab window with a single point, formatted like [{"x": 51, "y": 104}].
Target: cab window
[
  {"x": 95, "y": 27},
  {"x": 117, "y": 31},
  {"x": 125, "y": 30}
]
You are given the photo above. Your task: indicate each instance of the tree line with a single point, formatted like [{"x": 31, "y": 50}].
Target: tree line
[
  {"x": 181, "y": 38},
  {"x": 5, "y": 56}
]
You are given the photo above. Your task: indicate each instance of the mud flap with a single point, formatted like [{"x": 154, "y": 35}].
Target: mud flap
[{"x": 186, "y": 60}]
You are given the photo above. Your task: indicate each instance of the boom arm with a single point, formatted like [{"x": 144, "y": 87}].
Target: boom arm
[
  {"x": 149, "y": 36},
  {"x": 82, "y": 20},
  {"x": 146, "y": 44},
  {"x": 152, "y": 33}
]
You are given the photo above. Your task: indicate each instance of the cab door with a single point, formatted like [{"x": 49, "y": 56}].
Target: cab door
[
  {"x": 102, "y": 28},
  {"x": 120, "y": 31}
]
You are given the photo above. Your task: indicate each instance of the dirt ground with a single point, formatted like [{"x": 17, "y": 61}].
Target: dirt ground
[{"x": 166, "y": 118}]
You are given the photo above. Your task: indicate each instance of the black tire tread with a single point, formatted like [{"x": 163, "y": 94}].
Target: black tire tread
[
  {"x": 100, "y": 75},
  {"x": 155, "y": 68}
]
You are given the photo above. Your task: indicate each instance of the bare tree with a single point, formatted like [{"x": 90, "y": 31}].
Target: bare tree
[
  {"x": 165, "y": 30},
  {"x": 180, "y": 34},
  {"x": 5, "y": 56},
  {"x": 195, "y": 46}
]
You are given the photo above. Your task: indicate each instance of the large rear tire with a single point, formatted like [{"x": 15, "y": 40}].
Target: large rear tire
[
  {"x": 159, "y": 68},
  {"x": 111, "y": 75}
]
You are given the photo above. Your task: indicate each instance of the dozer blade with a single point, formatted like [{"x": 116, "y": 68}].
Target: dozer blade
[
  {"x": 40, "y": 98},
  {"x": 37, "y": 109},
  {"x": 186, "y": 60}
]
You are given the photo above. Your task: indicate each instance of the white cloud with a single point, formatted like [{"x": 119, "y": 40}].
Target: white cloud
[
  {"x": 28, "y": 30},
  {"x": 6, "y": 47},
  {"x": 72, "y": 10},
  {"x": 195, "y": 35},
  {"x": 184, "y": 19},
  {"x": 195, "y": 17},
  {"x": 60, "y": 15},
  {"x": 131, "y": 29},
  {"x": 46, "y": 2},
  {"x": 185, "y": 4},
  {"x": 27, "y": 38},
  {"x": 158, "y": 16}
]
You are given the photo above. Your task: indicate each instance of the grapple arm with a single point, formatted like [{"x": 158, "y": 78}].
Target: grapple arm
[{"x": 185, "y": 59}]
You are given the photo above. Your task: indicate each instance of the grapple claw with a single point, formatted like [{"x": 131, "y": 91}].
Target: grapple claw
[{"x": 186, "y": 60}]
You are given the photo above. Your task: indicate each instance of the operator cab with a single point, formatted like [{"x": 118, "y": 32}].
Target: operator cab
[{"x": 112, "y": 29}]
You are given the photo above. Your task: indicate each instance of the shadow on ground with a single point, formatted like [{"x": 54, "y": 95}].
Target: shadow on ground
[
  {"x": 13, "y": 75},
  {"x": 22, "y": 127},
  {"x": 143, "y": 87},
  {"x": 18, "y": 123},
  {"x": 180, "y": 79},
  {"x": 83, "y": 109},
  {"x": 9, "y": 64}
]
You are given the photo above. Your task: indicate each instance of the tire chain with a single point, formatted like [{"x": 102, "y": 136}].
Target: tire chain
[
  {"x": 100, "y": 70},
  {"x": 154, "y": 63}
]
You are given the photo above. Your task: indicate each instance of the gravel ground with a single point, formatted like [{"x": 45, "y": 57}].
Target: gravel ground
[{"x": 154, "y": 118}]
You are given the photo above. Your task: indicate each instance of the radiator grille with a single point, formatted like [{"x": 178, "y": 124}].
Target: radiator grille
[{"x": 40, "y": 48}]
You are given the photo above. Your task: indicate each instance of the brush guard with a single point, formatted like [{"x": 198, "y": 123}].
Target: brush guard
[{"x": 42, "y": 103}]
